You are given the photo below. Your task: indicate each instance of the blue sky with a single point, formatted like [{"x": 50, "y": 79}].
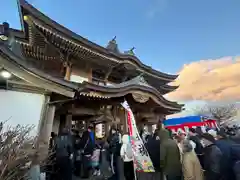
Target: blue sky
[{"x": 166, "y": 33}]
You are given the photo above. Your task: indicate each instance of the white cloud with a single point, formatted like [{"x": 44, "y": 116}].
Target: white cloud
[{"x": 210, "y": 80}]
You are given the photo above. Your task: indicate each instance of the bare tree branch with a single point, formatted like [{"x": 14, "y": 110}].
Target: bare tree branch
[
  {"x": 221, "y": 113},
  {"x": 16, "y": 152}
]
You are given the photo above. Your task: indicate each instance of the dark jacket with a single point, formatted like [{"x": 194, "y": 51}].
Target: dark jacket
[
  {"x": 236, "y": 169},
  {"x": 169, "y": 155},
  {"x": 152, "y": 146},
  {"x": 77, "y": 142},
  {"x": 51, "y": 143},
  {"x": 86, "y": 143},
  {"x": 235, "y": 152},
  {"x": 212, "y": 160},
  {"x": 199, "y": 148},
  {"x": 226, "y": 162},
  {"x": 63, "y": 145},
  {"x": 235, "y": 156},
  {"x": 114, "y": 145},
  {"x": 236, "y": 139}
]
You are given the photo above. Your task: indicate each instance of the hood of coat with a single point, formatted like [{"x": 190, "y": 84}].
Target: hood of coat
[
  {"x": 164, "y": 135},
  {"x": 125, "y": 139}
]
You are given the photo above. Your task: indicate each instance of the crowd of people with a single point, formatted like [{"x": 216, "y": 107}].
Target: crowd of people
[
  {"x": 81, "y": 154},
  {"x": 197, "y": 155}
]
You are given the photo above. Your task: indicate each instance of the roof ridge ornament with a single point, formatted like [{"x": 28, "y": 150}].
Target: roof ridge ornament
[
  {"x": 113, "y": 46},
  {"x": 114, "y": 39},
  {"x": 130, "y": 52}
]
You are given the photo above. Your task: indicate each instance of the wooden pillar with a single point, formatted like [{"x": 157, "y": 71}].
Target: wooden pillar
[
  {"x": 68, "y": 71},
  {"x": 90, "y": 75},
  {"x": 68, "y": 124}
]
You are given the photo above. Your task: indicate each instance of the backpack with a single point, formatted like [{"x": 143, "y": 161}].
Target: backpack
[
  {"x": 129, "y": 152},
  {"x": 62, "y": 146}
]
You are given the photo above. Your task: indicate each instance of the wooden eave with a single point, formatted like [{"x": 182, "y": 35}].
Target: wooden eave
[
  {"x": 16, "y": 66},
  {"x": 25, "y": 87},
  {"x": 39, "y": 53},
  {"x": 122, "y": 90},
  {"x": 164, "y": 89},
  {"x": 36, "y": 52},
  {"x": 73, "y": 39}
]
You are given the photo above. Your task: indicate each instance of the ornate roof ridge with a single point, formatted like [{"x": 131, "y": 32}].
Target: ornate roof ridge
[{"x": 137, "y": 80}]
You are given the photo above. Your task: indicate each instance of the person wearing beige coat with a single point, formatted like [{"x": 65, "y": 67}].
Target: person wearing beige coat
[{"x": 192, "y": 169}]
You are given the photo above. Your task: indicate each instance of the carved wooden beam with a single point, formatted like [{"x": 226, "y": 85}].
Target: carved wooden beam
[
  {"x": 108, "y": 74},
  {"x": 30, "y": 22}
]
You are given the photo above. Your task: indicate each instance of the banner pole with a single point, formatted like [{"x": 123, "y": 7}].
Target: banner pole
[
  {"x": 135, "y": 172},
  {"x": 128, "y": 124}
]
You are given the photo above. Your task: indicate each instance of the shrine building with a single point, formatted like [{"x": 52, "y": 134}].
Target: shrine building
[{"x": 82, "y": 82}]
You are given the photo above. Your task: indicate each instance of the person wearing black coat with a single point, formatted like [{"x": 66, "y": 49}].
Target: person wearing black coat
[
  {"x": 235, "y": 156},
  {"x": 153, "y": 148},
  {"x": 114, "y": 153},
  {"x": 87, "y": 147},
  {"x": 77, "y": 153},
  {"x": 225, "y": 144},
  {"x": 212, "y": 158}
]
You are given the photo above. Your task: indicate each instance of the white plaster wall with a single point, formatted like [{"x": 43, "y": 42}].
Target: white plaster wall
[
  {"x": 20, "y": 108},
  {"x": 78, "y": 75},
  {"x": 77, "y": 79}
]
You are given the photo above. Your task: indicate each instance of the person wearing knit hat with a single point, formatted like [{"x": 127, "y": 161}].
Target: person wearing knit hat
[
  {"x": 207, "y": 139},
  {"x": 213, "y": 133},
  {"x": 212, "y": 158}
]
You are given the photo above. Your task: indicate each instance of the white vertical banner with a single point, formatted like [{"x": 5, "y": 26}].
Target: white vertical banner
[{"x": 142, "y": 161}]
